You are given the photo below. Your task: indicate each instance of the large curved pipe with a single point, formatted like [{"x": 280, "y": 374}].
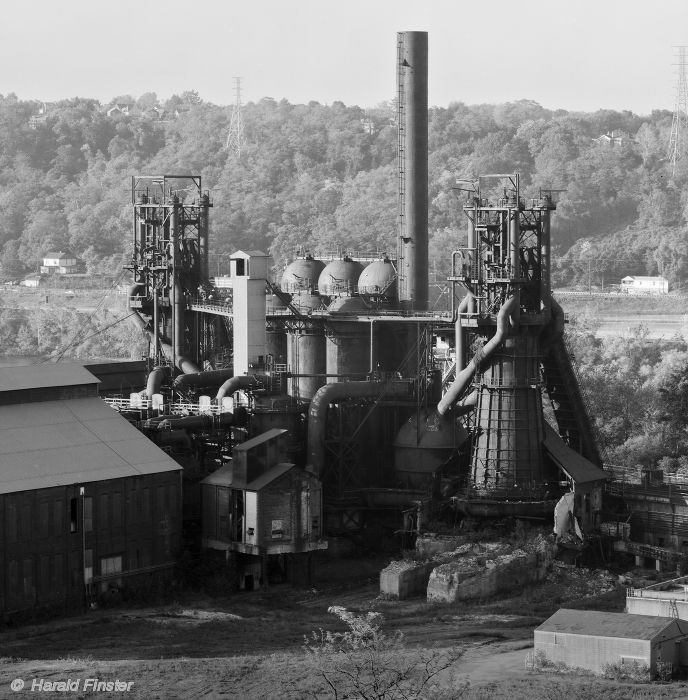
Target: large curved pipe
[
  {"x": 317, "y": 413},
  {"x": 213, "y": 377},
  {"x": 155, "y": 380},
  {"x": 459, "y": 345},
  {"x": 464, "y": 377},
  {"x": 244, "y": 381}
]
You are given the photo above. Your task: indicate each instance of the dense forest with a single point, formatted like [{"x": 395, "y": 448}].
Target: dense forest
[{"x": 323, "y": 178}]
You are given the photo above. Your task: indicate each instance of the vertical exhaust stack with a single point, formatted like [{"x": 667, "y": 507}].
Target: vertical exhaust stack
[{"x": 412, "y": 122}]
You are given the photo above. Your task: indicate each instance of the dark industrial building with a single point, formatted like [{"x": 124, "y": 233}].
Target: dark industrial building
[
  {"x": 261, "y": 505},
  {"x": 590, "y": 639},
  {"x": 87, "y": 503}
]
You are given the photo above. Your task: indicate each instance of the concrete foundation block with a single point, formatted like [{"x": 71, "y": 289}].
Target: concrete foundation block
[{"x": 405, "y": 579}]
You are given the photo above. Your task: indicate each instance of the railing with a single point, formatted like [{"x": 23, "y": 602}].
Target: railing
[{"x": 180, "y": 408}]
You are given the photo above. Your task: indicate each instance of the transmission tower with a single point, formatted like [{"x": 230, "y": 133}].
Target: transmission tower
[
  {"x": 679, "y": 124},
  {"x": 235, "y": 138}
]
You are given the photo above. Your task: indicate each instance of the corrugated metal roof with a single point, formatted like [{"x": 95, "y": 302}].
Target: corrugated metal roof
[
  {"x": 57, "y": 443},
  {"x": 220, "y": 477},
  {"x": 605, "y": 624},
  {"x": 580, "y": 469},
  {"x": 46, "y": 375},
  {"x": 224, "y": 477},
  {"x": 269, "y": 476}
]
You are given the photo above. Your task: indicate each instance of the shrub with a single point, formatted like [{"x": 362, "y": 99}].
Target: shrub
[
  {"x": 634, "y": 672},
  {"x": 365, "y": 663}
]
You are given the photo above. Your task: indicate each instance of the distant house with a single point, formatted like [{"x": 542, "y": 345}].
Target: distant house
[
  {"x": 611, "y": 138},
  {"x": 119, "y": 108},
  {"x": 591, "y": 639},
  {"x": 644, "y": 285},
  {"x": 60, "y": 262}
]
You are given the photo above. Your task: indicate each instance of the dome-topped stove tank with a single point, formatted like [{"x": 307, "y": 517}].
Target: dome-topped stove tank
[
  {"x": 378, "y": 281},
  {"x": 301, "y": 275},
  {"x": 340, "y": 278},
  {"x": 422, "y": 447}
]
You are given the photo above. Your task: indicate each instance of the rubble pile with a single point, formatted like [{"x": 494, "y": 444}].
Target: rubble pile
[{"x": 481, "y": 570}]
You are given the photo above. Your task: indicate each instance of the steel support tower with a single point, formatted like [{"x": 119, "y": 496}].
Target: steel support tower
[{"x": 679, "y": 124}]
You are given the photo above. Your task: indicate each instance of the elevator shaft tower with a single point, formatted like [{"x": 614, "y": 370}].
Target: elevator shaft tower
[{"x": 170, "y": 265}]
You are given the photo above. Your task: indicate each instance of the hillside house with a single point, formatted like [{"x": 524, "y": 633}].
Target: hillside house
[
  {"x": 59, "y": 263},
  {"x": 644, "y": 285}
]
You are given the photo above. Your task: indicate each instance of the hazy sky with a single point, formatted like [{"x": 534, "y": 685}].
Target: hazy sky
[{"x": 576, "y": 55}]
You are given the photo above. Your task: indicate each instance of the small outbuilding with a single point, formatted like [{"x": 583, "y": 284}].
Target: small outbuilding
[
  {"x": 261, "y": 505},
  {"x": 591, "y": 640}
]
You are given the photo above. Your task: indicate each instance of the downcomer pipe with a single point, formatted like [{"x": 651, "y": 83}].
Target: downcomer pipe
[
  {"x": 155, "y": 380},
  {"x": 459, "y": 348},
  {"x": 212, "y": 377},
  {"x": 317, "y": 413},
  {"x": 464, "y": 377},
  {"x": 250, "y": 381}
]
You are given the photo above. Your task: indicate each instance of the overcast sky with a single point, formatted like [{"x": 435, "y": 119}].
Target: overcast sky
[{"x": 576, "y": 55}]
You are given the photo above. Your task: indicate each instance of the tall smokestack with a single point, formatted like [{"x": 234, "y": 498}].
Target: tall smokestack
[{"x": 412, "y": 120}]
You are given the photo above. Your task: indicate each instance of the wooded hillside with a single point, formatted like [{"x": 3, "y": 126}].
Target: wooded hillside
[{"x": 323, "y": 177}]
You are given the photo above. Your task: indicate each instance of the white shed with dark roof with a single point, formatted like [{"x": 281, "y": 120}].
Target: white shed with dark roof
[{"x": 591, "y": 640}]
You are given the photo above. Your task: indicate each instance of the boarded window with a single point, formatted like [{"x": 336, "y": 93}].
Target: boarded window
[
  {"x": 88, "y": 514},
  {"x": 88, "y": 566},
  {"x": 109, "y": 566},
  {"x": 74, "y": 515}
]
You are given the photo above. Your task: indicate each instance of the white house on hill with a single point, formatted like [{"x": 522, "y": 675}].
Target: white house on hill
[{"x": 645, "y": 285}]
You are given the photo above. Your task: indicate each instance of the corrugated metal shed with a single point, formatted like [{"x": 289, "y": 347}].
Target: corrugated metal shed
[
  {"x": 592, "y": 623},
  {"x": 26, "y": 377},
  {"x": 580, "y": 469},
  {"x": 56, "y": 443}
]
